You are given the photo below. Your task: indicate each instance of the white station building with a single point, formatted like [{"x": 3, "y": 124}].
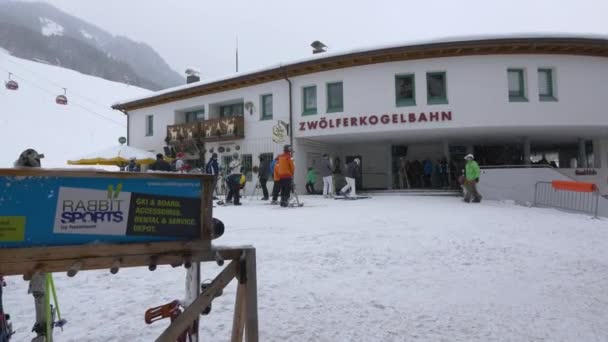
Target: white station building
[{"x": 511, "y": 101}]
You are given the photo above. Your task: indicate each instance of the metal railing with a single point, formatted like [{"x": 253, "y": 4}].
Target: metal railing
[{"x": 545, "y": 194}]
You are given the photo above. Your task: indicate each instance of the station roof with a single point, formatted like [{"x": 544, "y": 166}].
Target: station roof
[{"x": 561, "y": 44}]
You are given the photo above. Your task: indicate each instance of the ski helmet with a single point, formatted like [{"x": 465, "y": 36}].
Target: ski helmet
[
  {"x": 214, "y": 155},
  {"x": 235, "y": 155},
  {"x": 287, "y": 148},
  {"x": 29, "y": 158}
]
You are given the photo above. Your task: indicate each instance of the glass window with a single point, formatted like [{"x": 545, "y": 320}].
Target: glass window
[
  {"x": 436, "y": 88},
  {"x": 235, "y": 109},
  {"x": 516, "y": 85},
  {"x": 266, "y": 106},
  {"x": 545, "y": 85},
  {"x": 196, "y": 115},
  {"x": 246, "y": 163},
  {"x": 149, "y": 125},
  {"x": 335, "y": 101},
  {"x": 309, "y": 100},
  {"x": 405, "y": 92}
]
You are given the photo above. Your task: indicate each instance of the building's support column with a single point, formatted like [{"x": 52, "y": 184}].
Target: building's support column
[
  {"x": 448, "y": 158},
  {"x": 527, "y": 151},
  {"x": 470, "y": 149},
  {"x": 389, "y": 179},
  {"x": 582, "y": 154},
  {"x": 599, "y": 161}
]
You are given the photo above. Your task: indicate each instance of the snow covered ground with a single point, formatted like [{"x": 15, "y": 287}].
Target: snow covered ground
[
  {"x": 380, "y": 269},
  {"x": 30, "y": 118}
]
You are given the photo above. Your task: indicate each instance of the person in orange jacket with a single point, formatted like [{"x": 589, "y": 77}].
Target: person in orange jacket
[{"x": 286, "y": 169}]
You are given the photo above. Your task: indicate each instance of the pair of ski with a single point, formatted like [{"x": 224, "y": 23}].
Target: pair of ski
[{"x": 351, "y": 198}]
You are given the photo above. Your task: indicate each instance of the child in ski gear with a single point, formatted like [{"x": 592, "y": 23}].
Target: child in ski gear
[
  {"x": 327, "y": 174},
  {"x": 286, "y": 170},
  {"x": 263, "y": 173},
  {"x": 311, "y": 178},
  {"x": 234, "y": 179},
  {"x": 160, "y": 164},
  {"x": 275, "y": 177},
  {"x": 352, "y": 172},
  {"x": 132, "y": 166},
  {"x": 471, "y": 178}
]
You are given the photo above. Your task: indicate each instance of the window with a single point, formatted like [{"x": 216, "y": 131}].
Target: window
[
  {"x": 246, "y": 163},
  {"x": 335, "y": 101},
  {"x": 545, "y": 85},
  {"x": 309, "y": 100},
  {"x": 149, "y": 125},
  {"x": 266, "y": 107},
  {"x": 195, "y": 115},
  {"x": 234, "y": 109},
  {"x": 436, "y": 90},
  {"x": 517, "y": 90},
  {"x": 405, "y": 92}
]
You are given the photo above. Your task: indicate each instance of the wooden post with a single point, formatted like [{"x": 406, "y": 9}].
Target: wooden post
[
  {"x": 238, "y": 323},
  {"x": 251, "y": 305},
  {"x": 191, "y": 313},
  {"x": 193, "y": 290}
]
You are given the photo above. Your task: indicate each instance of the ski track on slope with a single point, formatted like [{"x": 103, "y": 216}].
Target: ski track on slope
[{"x": 382, "y": 269}]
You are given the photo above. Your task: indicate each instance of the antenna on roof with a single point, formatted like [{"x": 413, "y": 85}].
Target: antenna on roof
[
  {"x": 237, "y": 53},
  {"x": 318, "y": 47}
]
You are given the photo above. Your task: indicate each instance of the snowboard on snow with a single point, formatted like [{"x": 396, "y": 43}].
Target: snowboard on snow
[{"x": 352, "y": 198}]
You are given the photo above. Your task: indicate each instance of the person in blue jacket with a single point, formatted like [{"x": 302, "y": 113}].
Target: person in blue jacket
[{"x": 212, "y": 168}]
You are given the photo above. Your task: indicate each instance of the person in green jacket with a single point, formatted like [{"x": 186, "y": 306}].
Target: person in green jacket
[
  {"x": 311, "y": 178},
  {"x": 471, "y": 178}
]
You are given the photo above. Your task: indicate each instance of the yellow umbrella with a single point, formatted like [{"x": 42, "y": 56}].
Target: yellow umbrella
[{"x": 116, "y": 155}]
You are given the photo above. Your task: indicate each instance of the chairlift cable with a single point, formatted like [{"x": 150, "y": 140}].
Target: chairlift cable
[{"x": 73, "y": 103}]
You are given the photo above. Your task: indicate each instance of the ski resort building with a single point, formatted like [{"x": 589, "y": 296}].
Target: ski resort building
[{"x": 511, "y": 101}]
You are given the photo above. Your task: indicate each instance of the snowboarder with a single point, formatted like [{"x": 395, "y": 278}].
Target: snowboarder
[
  {"x": 286, "y": 170},
  {"x": 311, "y": 178},
  {"x": 471, "y": 178},
  {"x": 327, "y": 174},
  {"x": 352, "y": 171},
  {"x": 263, "y": 173},
  {"x": 212, "y": 168},
  {"x": 132, "y": 166},
  {"x": 276, "y": 187},
  {"x": 160, "y": 164},
  {"x": 234, "y": 179}
]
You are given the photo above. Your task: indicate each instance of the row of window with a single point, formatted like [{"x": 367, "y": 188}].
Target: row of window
[
  {"x": 405, "y": 95},
  {"x": 517, "y": 85}
]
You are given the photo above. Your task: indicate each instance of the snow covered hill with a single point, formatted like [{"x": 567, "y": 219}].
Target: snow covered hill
[{"x": 30, "y": 118}]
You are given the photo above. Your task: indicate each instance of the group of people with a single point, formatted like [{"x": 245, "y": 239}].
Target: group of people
[
  {"x": 425, "y": 174},
  {"x": 328, "y": 171},
  {"x": 160, "y": 164}
]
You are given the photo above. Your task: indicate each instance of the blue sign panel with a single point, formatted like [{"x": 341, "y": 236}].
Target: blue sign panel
[{"x": 40, "y": 211}]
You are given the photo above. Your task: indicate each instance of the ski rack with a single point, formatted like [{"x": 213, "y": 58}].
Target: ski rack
[{"x": 190, "y": 252}]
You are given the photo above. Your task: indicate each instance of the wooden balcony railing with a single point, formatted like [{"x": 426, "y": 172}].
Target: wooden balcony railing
[{"x": 223, "y": 129}]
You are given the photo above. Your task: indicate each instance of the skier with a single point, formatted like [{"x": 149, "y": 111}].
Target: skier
[
  {"x": 6, "y": 328},
  {"x": 471, "y": 178},
  {"x": 263, "y": 173},
  {"x": 160, "y": 164},
  {"x": 132, "y": 166},
  {"x": 180, "y": 164},
  {"x": 327, "y": 174},
  {"x": 286, "y": 170},
  {"x": 352, "y": 171},
  {"x": 212, "y": 168},
  {"x": 234, "y": 169},
  {"x": 311, "y": 178},
  {"x": 276, "y": 187}
]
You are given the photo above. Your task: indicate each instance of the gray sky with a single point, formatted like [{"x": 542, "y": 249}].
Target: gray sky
[{"x": 201, "y": 33}]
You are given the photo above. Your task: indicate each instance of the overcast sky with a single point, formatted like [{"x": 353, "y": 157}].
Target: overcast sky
[{"x": 202, "y": 33}]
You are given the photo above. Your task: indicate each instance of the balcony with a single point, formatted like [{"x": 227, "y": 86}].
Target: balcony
[{"x": 222, "y": 129}]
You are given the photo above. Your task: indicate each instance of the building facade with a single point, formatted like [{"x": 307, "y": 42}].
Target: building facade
[{"x": 509, "y": 101}]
